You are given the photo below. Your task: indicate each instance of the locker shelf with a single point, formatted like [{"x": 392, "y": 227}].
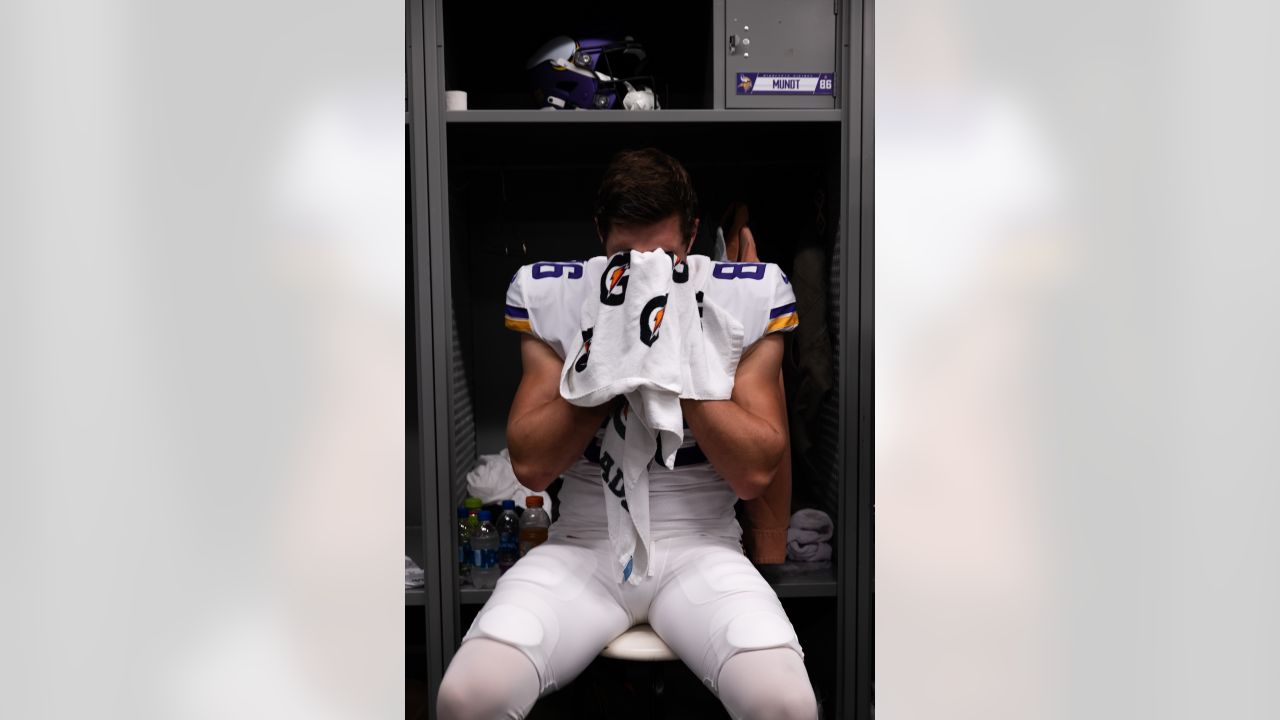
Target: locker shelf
[
  {"x": 817, "y": 579},
  {"x": 484, "y": 47},
  {"x": 789, "y": 580},
  {"x": 658, "y": 116}
]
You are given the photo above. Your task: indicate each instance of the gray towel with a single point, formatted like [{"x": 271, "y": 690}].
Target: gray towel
[
  {"x": 413, "y": 575},
  {"x": 808, "y": 535}
]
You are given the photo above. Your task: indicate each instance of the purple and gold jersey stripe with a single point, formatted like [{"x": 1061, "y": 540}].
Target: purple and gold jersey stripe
[
  {"x": 782, "y": 318},
  {"x": 781, "y": 310},
  {"x": 517, "y": 318}
]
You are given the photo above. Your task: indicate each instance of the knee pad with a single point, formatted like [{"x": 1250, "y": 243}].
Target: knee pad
[
  {"x": 522, "y": 612},
  {"x": 510, "y": 625},
  {"x": 758, "y": 631},
  {"x": 530, "y": 628},
  {"x": 751, "y": 625}
]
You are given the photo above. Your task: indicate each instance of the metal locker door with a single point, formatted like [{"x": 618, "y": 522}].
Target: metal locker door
[{"x": 780, "y": 54}]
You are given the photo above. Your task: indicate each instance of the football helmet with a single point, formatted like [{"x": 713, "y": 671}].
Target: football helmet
[{"x": 594, "y": 73}]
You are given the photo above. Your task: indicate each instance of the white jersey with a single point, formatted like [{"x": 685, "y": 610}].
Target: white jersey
[{"x": 545, "y": 299}]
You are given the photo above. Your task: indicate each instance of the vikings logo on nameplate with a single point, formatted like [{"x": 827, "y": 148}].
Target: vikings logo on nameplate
[{"x": 766, "y": 83}]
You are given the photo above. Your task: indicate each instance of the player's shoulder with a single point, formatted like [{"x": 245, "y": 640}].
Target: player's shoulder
[
  {"x": 757, "y": 294},
  {"x": 762, "y": 274},
  {"x": 552, "y": 271},
  {"x": 539, "y": 283},
  {"x": 745, "y": 284},
  {"x": 544, "y": 298}
]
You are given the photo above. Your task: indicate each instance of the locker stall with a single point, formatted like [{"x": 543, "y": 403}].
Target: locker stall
[{"x": 503, "y": 184}]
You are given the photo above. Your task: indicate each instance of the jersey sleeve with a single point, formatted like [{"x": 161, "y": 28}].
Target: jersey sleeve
[
  {"x": 782, "y": 305},
  {"x": 545, "y": 299},
  {"x": 516, "y": 312},
  {"x": 757, "y": 294}
]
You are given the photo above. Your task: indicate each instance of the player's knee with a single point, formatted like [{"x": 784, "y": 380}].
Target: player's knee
[
  {"x": 789, "y": 702},
  {"x": 770, "y": 683},
  {"x": 792, "y": 702},
  {"x": 456, "y": 699},
  {"x": 477, "y": 698},
  {"x": 487, "y": 680},
  {"x": 467, "y": 692}
]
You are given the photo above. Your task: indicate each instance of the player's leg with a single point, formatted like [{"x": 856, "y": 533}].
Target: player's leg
[
  {"x": 724, "y": 621},
  {"x": 487, "y": 679},
  {"x": 767, "y": 684},
  {"x": 554, "y": 611}
]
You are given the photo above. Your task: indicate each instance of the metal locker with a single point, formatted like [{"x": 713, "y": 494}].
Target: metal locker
[
  {"x": 780, "y": 54},
  {"x": 799, "y": 39}
]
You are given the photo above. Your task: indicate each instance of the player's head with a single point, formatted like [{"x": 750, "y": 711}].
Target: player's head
[{"x": 646, "y": 202}]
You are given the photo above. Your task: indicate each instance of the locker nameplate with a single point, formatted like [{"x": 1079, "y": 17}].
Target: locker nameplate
[{"x": 753, "y": 83}]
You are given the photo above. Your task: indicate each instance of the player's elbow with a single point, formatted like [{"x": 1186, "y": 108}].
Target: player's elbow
[
  {"x": 533, "y": 475},
  {"x": 755, "y": 480},
  {"x": 752, "y": 484},
  {"x": 527, "y": 463}
]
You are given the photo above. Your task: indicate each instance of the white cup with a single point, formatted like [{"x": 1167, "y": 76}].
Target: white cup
[{"x": 455, "y": 100}]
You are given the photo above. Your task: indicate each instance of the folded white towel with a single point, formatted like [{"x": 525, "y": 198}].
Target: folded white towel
[
  {"x": 807, "y": 536},
  {"x": 647, "y": 338}
]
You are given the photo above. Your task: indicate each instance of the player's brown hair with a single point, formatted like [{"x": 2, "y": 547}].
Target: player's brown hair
[{"x": 642, "y": 187}]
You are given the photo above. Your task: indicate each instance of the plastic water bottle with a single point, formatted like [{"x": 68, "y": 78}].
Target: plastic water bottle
[
  {"x": 464, "y": 547},
  {"x": 534, "y": 524},
  {"x": 473, "y": 505},
  {"x": 484, "y": 553},
  {"x": 508, "y": 535}
]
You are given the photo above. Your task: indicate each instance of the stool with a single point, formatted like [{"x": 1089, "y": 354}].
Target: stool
[{"x": 642, "y": 644}]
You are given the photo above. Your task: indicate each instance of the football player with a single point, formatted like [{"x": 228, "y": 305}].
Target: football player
[{"x": 557, "y": 608}]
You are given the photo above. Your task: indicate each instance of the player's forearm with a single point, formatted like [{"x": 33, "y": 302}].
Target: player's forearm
[
  {"x": 742, "y": 447},
  {"x": 546, "y": 440}
]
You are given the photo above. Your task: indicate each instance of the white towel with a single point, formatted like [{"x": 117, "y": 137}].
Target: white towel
[
  {"x": 648, "y": 338},
  {"x": 493, "y": 480}
]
